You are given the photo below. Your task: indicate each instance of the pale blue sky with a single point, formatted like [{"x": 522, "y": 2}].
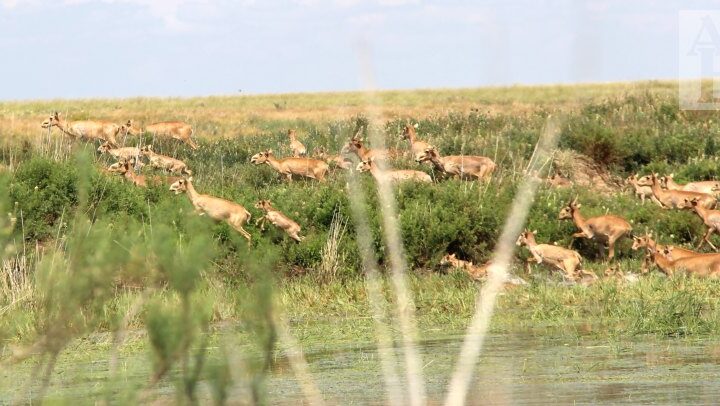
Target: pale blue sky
[{"x": 119, "y": 48}]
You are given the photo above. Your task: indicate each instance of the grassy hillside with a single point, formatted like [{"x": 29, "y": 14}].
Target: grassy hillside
[{"x": 89, "y": 252}]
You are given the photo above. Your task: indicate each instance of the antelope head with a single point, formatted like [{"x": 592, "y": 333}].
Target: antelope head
[
  {"x": 261, "y": 157},
  {"x": 427, "y": 155},
  {"x": 53, "y": 120},
  {"x": 567, "y": 211},
  {"x": 525, "y": 237},
  {"x": 263, "y": 205},
  {"x": 364, "y": 166},
  {"x": 180, "y": 186},
  {"x": 408, "y": 131},
  {"x": 105, "y": 147}
]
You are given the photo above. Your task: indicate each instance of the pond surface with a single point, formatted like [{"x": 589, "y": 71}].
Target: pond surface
[
  {"x": 531, "y": 369},
  {"x": 514, "y": 368}
]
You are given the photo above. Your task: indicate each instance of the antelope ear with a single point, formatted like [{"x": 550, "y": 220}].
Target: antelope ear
[
  {"x": 416, "y": 125},
  {"x": 579, "y": 205},
  {"x": 534, "y": 232},
  {"x": 672, "y": 175},
  {"x": 190, "y": 179},
  {"x": 269, "y": 151}
]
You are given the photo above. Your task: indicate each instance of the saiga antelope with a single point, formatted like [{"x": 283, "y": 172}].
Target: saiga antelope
[
  {"x": 711, "y": 218},
  {"x": 608, "y": 228},
  {"x": 88, "y": 129},
  {"x": 176, "y": 130},
  {"x": 297, "y": 147},
  {"x": 459, "y": 165},
  {"x": 216, "y": 208},
  {"x": 710, "y": 187},
  {"x": 278, "y": 219},
  {"x": 642, "y": 188},
  {"x": 566, "y": 260},
  {"x": 392, "y": 175},
  {"x": 416, "y": 146},
  {"x": 166, "y": 163},
  {"x": 675, "y": 199},
  {"x": 307, "y": 167}
]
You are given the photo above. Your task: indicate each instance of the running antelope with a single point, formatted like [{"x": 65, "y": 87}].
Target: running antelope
[
  {"x": 459, "y": 166},
  {"x": 297, "y": 147},
  {"x": 176, "y": 130},
  {"x": 369, "y": 165},
  {"x": 333, "y": 160},
  {"x": 117, "y": 166},
  {"x": 278, "y": 219},
  {"x": 87, "y": 129},
  {"x": 607, "y": 228},
  {"x": 307, "y": 167},
  {"x": 125, "y": 168},
  {"x": 478, "y": 272},
  {"x": 356, "y": 146},
  {"x": 651, "y": 246},
  {"x": 643, "y": 188},
  {"x": 711, "y": 218},
  {"x": 216, "y": 208},
  {"x": 416, "y": 146},
  {"x": 566, "y": 260},
  {"x": 676, "y": 199},
  {"x": 703, "y": 265},
  {"x": 167, "y": 163},
  {"x": 711, "y": 187},
  {"x": 119, "y": 153},
  {"x": 127, "y": 171},
  {"x": 475, "y": 272}
]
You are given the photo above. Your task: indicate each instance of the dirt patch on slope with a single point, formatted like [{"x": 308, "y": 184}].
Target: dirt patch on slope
[{"x": 583, "y": 171}]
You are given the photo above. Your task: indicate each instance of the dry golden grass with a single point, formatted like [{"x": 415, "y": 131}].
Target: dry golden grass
[{"x": 232, "y": 116}]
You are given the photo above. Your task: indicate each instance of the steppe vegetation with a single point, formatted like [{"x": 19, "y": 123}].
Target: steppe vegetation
[{"x": 93, "y": 264}]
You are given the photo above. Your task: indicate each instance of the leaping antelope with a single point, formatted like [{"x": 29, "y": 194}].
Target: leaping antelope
[{"x": 608, "y": 228}]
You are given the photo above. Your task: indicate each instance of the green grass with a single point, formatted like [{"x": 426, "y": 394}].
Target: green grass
[{"x": 96, "y": 247}]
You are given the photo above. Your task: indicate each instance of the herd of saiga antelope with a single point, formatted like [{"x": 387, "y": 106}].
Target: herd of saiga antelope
[{"x": 607, "y": 229}]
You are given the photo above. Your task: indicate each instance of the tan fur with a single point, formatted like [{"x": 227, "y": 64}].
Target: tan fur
[
  {"x": 307, "y": 167},
  {"x": 643, "y": 188},
  {"x": 675, "y": 199},
  {"x": 119, "y": 153},
  {"x": 416, "y": 146},
  {"x": 278, "y": 219},
  {"x": 332, "y": 160},
  {"x": 176, "y": 130},
  {"x": 216, "y": 208},
  {"x": 604, "y": 228},
  {"x": 478, "y": 272},
  {"x": 356, "y": 146},
  {"x": 459, "y": 165},
  {"x": 475, "y": 272},
  {"x": 393, "y": 175},
  {"x": 167, "y": 163},
  {"x": 710, "y": 187},
  {"x": 86, "y": 129},
  {"x": 125, "y": 168},
  {"x": 297, "y": 147},
  {"x": 566, "y": 260},
  {"x": 703, "y": 265},
  {"x": 711, "y": 218},
  {"x": 650, "y": 245}
]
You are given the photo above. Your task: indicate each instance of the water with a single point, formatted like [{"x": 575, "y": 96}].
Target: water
[
  {"x": 540, "y": 367},
  {"x": 523, "y": 368}
]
